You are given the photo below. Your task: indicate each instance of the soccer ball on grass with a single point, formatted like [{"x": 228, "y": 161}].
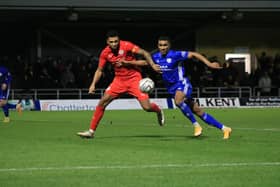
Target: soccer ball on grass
[{"x": 146, "y": 85}]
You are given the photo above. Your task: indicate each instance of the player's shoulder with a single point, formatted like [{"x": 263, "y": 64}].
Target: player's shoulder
[
  {"x": 105, "y": 51},
  {"x": 179, "y": 53},
  {"x": 156, "y": 54}
]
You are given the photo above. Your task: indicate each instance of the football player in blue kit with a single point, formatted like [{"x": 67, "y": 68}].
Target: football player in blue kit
[
  {"x": 171, "y": 64},
  {"x": 5, "y": 83},
  {"x": 179, "y": 86}
]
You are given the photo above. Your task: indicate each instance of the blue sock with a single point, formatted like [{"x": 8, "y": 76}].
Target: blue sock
[
  {"x": 211, "y": 120},
  {"x": 187, "y": 112},
  {"x": 6, "y": 110}
]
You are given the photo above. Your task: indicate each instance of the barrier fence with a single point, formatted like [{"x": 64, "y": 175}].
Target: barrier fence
[{"x": 157, "y": 93}]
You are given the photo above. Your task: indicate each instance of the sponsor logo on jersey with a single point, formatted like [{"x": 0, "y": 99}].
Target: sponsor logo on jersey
[
  {"x": 121, "y": 52},
  {"x": 168, "y": 60},
  {"x": 183, "y": 53}
]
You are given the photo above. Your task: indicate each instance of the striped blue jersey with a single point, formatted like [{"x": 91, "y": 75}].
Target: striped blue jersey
[
  {"x": 5, "y": 76},
  {"x": 171, "y": 66}
]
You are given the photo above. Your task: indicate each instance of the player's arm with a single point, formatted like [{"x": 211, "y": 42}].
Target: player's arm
[
  {"x": 134, "y": 62},
  {"x": 97, "y": 75},
  {"x": 149, "y": 59},
  {"x": 201, "y": 58}
]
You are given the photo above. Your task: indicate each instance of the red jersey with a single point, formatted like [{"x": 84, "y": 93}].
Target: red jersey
[{"x": 126, "y": 51}]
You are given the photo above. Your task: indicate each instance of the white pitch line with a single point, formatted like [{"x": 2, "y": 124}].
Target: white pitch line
[{"x": 254, "y": 164}]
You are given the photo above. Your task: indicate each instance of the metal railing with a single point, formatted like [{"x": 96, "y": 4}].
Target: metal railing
[{"x": 157, "y": 93}]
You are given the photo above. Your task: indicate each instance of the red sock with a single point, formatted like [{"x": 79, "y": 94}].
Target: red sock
[
  {"x": 155, "y": 107},
  {"x": 98, "y": 114}
]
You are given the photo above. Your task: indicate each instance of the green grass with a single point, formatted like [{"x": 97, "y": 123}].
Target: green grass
[{"x": 130, "y": 149}]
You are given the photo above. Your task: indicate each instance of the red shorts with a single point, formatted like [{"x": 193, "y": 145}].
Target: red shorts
[{"x": 120, "y": 86}]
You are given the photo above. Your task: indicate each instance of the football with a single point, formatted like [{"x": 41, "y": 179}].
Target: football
[{"x": 146, "y": 85}]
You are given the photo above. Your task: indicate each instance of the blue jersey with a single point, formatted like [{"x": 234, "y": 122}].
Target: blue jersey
[
  {"x": 5, "y": 76},
  {"x": 173, "y": 71}
]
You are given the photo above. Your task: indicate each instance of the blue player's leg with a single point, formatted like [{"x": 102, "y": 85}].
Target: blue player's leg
[
  {"x": 4, "y": 94},
  {"x": 185, "y": 109},
  {"x": 210, "y": 120}
]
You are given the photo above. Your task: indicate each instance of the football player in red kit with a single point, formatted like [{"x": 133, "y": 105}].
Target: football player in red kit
[{"x": 126, "y": 79}]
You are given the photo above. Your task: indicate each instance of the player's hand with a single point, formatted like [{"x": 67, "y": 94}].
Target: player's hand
[
  {"x": 122, "y": 62},
  {"x": 156, "y": 67},
  {"x": 91, "y": 89},
  {"x": 215, "y": 65},
  {"x": 119, "y": 63}
]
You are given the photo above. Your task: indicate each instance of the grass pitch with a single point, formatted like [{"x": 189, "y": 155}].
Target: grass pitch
[{"x": 130, "y": 149}]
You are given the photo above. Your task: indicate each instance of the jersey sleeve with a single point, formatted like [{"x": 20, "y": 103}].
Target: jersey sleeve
[
  {"x": 132, "y": 47},
  {"x": 182, "y": 55},
  {"x": 102, "y": 60}
]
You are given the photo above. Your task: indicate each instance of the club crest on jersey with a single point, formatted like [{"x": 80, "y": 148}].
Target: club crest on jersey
[
  {"x": 121, "y": 52},
  {"x": 183, "y": 53},
  {"x": 168, "y": 60}
]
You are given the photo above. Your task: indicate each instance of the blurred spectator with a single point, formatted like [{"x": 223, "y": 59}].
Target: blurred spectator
[
  {"x": 265, "y": 61},
  {"x": 82, "y": 78},
  {"x": 45, "y": 79},
  {"x": 265, "y": 84},
  {"x": 68, "y": 78},
  {"x": 28, "y": 78}
]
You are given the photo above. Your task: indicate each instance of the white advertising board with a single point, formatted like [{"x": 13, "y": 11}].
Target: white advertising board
[
  {"x": 128, "y": 104},
  {"x": 90, "y": 104}
]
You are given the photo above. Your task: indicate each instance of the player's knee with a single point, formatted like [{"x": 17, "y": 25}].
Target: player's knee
[
  {"x": 178, "y": 103},
  {"x": 198, "y": 111}
]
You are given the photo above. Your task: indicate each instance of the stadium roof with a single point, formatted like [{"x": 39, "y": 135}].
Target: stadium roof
[{"x": 139, "y": 11}]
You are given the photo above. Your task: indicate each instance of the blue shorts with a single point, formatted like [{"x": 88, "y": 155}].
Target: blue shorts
[{"x": 184, "y": 86}]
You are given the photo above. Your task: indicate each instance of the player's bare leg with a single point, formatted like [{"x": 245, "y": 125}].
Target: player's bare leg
[
  {"x": 97, "y": 116},
  {"x": 153, "y": 107},
  {"x": 187, "y": 111},
  {"x": 212, "y": 121}
]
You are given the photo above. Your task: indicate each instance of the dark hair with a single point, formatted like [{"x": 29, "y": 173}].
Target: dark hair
[
  {"x": 112, "y": 33},
  {"x": 163, "y": 37}
]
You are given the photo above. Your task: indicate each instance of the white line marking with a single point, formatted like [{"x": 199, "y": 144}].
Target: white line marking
[{"x": 140, "y": 166}]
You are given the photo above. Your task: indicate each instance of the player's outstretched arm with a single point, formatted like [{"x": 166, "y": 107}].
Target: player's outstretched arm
[
  {"x": 96, "y": 78},
  {"x": 214, "y": 65},
  {"x": 149, "y": 60},
  {"x": 134, "y": 62}
]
